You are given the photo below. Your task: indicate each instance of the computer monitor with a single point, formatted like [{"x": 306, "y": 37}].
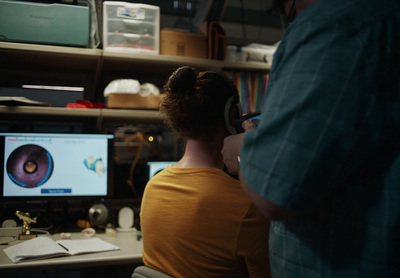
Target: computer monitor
[
  {"x": 41, "y": 165},
  {"x": 157, "y": 166}
]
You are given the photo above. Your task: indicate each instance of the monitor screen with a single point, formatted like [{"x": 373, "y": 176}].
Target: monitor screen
[
  {"x": 55, "y": 165},
  {"x": 157, "y": 166}
]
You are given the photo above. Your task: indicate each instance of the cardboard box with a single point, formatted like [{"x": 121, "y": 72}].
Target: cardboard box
[
  {"x": 179, "y": 43},
  {"x": 133, "y": 101}
]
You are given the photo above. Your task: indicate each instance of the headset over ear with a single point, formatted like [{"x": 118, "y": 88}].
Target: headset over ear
[{"x": 232, "y": 103}]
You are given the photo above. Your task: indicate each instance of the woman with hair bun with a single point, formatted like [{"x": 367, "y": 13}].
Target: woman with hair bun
[{"x": 196, "y": 220}]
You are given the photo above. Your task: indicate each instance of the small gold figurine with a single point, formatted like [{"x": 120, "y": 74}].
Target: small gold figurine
[{"x": 26, "y": 229}]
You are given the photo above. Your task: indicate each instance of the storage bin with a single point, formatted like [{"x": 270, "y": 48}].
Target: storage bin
[
  {"x": 41, "y": 23},
  {"x": 131, "y": 27}
]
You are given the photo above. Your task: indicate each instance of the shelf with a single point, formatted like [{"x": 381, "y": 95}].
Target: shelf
[
  {"x": 49, "y": 65},
  {"x": 47, "y": 111},
  {"x": 24, "y": 57},
  {"x": 75, "y": 114},
  {"x": 39, "y": 49},
  {"x": 154, "y": 63},
  {"x": 137, "y": 116},
  {"x": 250, "y": 66},
  {"x": 33, "y": 56},
  {"x": 93, "y": 69},
  {"x": 166, "y": 62},
  {"x": 88, "y": 57}
]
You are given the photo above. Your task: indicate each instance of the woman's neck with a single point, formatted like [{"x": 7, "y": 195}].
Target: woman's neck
[{"x": 202, "y": 153}]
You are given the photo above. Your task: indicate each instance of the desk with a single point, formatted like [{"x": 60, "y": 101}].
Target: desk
[{"x": 130, "y": 253}]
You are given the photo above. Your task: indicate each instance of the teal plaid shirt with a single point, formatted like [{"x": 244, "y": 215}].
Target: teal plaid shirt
[{"x": 328, "y": 142}]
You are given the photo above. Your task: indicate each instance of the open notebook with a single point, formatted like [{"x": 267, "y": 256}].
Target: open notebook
[{"x": 45, "y": 247}]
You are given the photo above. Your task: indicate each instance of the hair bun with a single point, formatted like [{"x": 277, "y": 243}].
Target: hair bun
[{"x": 182, "y": 80}]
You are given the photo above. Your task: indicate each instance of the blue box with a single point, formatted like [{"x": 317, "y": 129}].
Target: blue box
[{"x": 54, "y": 24}]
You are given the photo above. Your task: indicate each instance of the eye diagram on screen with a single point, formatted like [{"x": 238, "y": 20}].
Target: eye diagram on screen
[
  {"x": 95, "y": 165},
  {"x": 30, "y": 166}
]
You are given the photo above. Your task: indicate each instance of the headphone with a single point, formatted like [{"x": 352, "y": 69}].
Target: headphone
[{"x": 233, "y": 102}]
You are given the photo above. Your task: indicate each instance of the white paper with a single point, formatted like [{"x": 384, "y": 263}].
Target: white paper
[{"x": 45, "y": 247}]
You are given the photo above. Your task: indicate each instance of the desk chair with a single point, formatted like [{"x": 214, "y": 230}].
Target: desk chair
[{"x": 147, "y": 272}]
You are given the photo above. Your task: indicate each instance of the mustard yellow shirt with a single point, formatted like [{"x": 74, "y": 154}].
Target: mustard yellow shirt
[{"x": 197, "y": 222}]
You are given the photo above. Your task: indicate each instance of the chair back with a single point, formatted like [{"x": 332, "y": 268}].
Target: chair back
[{"x": 147, "y": 272}]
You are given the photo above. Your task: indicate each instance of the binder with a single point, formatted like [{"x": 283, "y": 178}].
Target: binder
[{"x": 216, "y": 41}]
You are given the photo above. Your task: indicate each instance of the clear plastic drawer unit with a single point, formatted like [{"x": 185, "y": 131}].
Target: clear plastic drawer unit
[{"x": 131, "y": 27}]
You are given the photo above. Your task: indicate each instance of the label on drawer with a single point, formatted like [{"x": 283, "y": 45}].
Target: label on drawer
[{"x": 131, "y": 13}]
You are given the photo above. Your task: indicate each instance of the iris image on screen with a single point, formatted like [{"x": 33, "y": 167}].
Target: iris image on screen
[
  {"x": 36, "y": 165},
  {"x": 30, "y": 166}
]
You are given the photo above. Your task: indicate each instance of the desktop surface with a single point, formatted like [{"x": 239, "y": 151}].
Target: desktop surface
[{"x": 130, "y": 253}]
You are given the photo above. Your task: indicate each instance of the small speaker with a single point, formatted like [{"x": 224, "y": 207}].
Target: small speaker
[{"x": 126, "y": 219}]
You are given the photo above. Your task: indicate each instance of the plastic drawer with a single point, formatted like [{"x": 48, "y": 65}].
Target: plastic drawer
[{"x": 131, "y": 26}]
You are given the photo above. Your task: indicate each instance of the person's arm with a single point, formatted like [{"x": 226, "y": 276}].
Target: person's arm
[
  {"x": 230, "y": 153},
  {"x": 267, "y": 208},
  {"x": 231, "y": 148}
]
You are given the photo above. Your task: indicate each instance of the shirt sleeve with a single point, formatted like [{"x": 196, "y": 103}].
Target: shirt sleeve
[
  {"x": 318, "y": 112},
  {"x": 253, "y": 243}
]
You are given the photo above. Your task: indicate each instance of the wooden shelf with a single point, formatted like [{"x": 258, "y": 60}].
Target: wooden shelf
[
  {"x": 111, "y": 115},
  {"x": 47, "y": 111},
  {"x": 94, "y": 68},
  {"x": 39, "y": 49},
  {"x": 21, "y": 58},
  {"x": 138, "y": 116},
  {"x": 89, "y": 57}
]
